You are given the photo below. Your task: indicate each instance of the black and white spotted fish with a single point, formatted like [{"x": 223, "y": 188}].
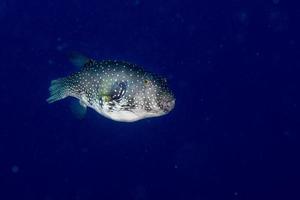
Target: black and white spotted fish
[{"x": 116, "y": 89}]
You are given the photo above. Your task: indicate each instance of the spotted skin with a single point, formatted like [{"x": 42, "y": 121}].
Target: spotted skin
[{"x": 118, "y": 90}]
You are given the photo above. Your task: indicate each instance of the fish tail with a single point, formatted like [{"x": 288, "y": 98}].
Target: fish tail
[{"x": 58, "y": 90}]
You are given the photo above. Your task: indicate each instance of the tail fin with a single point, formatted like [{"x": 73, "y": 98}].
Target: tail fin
[{"x": 58, "y": 90}]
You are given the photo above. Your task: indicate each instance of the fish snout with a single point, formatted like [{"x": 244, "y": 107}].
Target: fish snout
[{"x": 168, "y": 105}]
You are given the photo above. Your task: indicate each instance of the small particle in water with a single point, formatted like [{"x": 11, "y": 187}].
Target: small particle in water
[
  {"x": 84, "y": 150},
  {"x": 50, "y": 62},
  {"x": 61, "y": 47},
  {"x": 242, "y": 17},
  {"x": 136, "y": 2},
  {"x": 15, "y": 169}
]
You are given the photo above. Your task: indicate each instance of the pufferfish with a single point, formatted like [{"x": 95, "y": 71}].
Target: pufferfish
[{"x": 118, "y": 90}]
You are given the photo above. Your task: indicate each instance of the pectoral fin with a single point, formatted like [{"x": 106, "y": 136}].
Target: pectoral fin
[
  {"x": 118, "y": 90},
  {"x": 78, "y": 108}
]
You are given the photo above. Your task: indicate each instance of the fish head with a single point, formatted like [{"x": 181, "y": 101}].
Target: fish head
[
  {"x": 129, "y": 103},
  {"x": 165, "y": 99},
  {"x": 166, "y": 102},
  {"x": 157, "y": 98}
]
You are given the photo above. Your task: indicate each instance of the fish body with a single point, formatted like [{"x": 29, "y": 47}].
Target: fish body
[{"x": 117, "y": 90}]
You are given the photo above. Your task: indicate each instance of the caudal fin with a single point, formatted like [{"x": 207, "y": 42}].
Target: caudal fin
[{"x": 58, "y": 90}]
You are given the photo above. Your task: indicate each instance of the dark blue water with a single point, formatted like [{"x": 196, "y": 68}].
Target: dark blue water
[{"x": 234, "y": 133}]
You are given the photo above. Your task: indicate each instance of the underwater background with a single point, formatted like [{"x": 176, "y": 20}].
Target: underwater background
[{"x": 232, "y": 65}]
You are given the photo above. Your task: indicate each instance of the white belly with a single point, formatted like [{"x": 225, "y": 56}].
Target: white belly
[
  {"x": 122, "y": 115},
  {"x": 126, "y": 116}
]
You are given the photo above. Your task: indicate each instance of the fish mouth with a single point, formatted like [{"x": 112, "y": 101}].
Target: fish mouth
[{"x": 169, "y": 105}]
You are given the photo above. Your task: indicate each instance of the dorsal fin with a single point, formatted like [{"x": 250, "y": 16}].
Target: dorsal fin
[{"x": 77, "y": 59}]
